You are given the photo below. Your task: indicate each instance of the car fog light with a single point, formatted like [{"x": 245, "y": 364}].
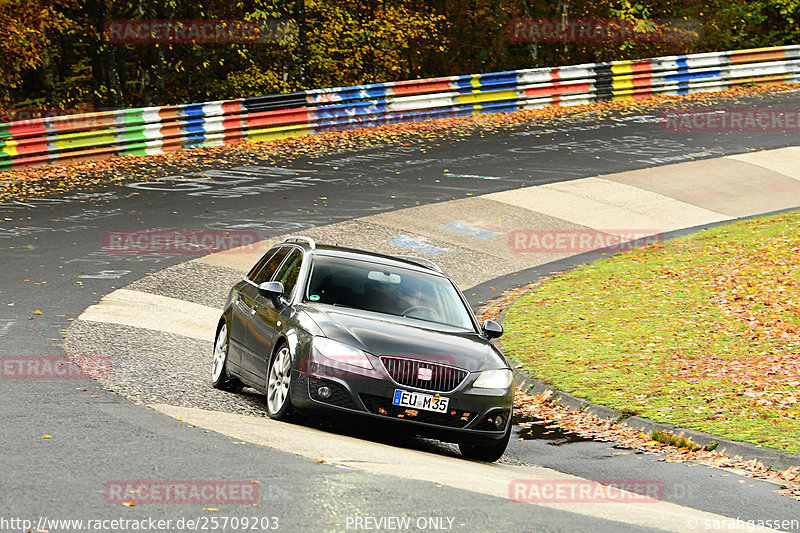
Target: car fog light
[
  {"x": 324, "y": 392},
  {"x": 499, "y": 421}
]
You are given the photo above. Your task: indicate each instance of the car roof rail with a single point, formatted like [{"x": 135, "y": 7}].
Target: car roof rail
[
  {"x": 301, "y": 238},
  {"x": 421, "y": 261}
]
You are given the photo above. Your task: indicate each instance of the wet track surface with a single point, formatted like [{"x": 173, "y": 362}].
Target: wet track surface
[{"x": 54, "y": 262}]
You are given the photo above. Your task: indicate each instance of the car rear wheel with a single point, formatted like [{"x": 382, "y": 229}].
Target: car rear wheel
[
  {"x": 486, "y": 452},
  {"x": 220, "y": 379},
  {"x": 279, "y": 404}
]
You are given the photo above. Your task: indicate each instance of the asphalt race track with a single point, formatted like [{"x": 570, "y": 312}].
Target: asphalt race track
[{"x": 320, "y": 478}]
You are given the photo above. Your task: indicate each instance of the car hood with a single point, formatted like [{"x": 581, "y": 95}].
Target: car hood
[{"x": 381, "y": 335}]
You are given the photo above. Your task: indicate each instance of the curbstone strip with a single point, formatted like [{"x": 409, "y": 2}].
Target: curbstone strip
[{"x": 769, "y": 457}]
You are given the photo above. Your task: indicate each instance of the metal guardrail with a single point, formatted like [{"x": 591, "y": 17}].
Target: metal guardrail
[{"x": 155, "y": 130}]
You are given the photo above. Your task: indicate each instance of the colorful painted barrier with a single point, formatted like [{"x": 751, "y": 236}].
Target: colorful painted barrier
[{"x": 155, "y": 130}]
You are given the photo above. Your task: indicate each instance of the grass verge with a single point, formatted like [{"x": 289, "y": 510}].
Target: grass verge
[{"x": 702, "y": 331}]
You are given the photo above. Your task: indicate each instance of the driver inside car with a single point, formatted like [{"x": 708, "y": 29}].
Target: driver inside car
[{"x": 416, "y": 302}]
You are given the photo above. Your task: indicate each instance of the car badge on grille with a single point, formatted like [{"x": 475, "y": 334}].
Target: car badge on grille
[{"x": 425, "y": 374}]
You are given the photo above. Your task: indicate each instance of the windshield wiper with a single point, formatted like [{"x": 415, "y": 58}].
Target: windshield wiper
[{"x": 336, "y": 304}]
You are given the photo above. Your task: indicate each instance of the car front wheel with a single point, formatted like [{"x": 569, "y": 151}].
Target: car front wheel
[
  {"x": 279, "y": 405},
  {"x": 486, "y": 452}
]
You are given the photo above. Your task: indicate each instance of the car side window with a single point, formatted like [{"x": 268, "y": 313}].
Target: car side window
[
  {"x": 258, "y": 266},
  {"x": 289, "y": 272},
  {"x": 266, "y": 272}
]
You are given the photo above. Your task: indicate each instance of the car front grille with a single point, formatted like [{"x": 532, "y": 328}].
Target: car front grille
[
  {"x": 423, "y": 374},
  {"x": 383, "y": 406}
]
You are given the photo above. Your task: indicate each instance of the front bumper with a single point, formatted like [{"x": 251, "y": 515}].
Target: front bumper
[{"x": 470, "y": 417}]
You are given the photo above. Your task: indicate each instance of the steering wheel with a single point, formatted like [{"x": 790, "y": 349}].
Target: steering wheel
[{"x": 431, "y": 312}]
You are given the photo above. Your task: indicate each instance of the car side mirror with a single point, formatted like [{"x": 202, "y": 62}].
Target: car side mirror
[
  {"x": 271, "y": 289},
  {"x": 492, "y": 329}
]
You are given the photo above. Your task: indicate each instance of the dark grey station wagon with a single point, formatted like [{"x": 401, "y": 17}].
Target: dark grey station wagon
[{"x": 334, "y": 332}]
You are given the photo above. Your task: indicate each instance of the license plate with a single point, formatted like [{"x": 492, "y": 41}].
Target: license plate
[{"x": 417, "y": 400}]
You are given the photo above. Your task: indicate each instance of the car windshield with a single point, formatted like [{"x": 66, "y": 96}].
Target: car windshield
[{"x": 386, "y": 289}]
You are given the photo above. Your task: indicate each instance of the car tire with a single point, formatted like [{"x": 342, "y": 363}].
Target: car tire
[
  {"x": 220, "y": 379},
  {"x": 486, "y": 452},
  {"x": 279, "y": 372}
]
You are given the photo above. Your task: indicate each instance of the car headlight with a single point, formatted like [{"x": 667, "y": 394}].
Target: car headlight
[
  {"x": 494, "y": 379},
  {"x": 342, "y": 353}
]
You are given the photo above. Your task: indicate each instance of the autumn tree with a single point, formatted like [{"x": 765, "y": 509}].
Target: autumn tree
[
  {"x": 28, "y": 27},
  {"x": 55, "y": 53}
]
